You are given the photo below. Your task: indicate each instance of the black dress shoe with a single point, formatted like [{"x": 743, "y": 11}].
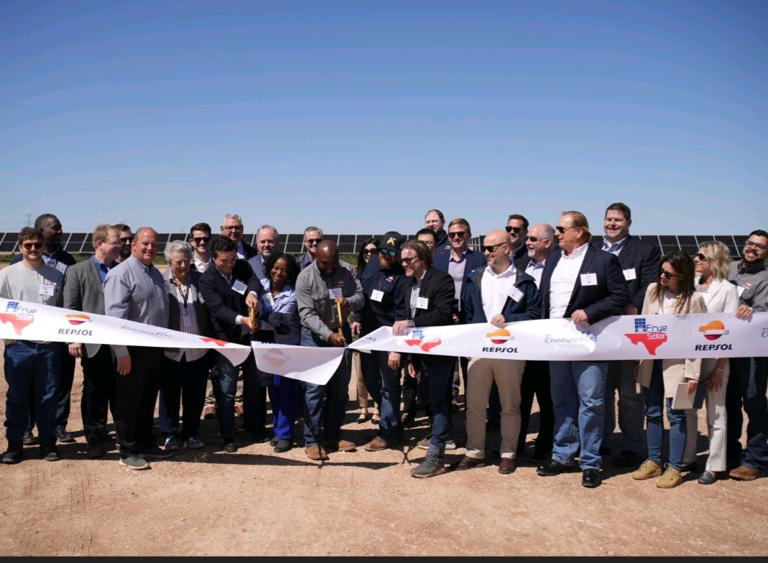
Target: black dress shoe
[
  {"x": 591, "y": 478},
  {"x": 282, "y": 446},
  {"x": 64, "y": 437},
  {"x": 552, "y": 467}
]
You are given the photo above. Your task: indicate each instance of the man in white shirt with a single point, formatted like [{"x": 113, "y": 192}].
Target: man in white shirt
[{"x": 200, "y": 239}]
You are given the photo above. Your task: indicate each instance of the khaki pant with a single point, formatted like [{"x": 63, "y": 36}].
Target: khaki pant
[{"x": 481, "y": 374}]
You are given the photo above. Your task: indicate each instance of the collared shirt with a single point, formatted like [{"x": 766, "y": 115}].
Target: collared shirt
[
  {"x": 282, "y": 313},
  {"x": 456, "y": 270},
  {"x": 614, "y": 248},
  {"x": 534, "y": 269},
  {"x": 751, "y": 282},
  {"x": 415, "y": 288},
  {"x": 563, "y": 281},
  {"x": 136, "y": 292},
  {"x": 101, "y": 268},
  {"x": 201, "y": 266},
  {"x": 240, "y": 250},
  {"x": 495, "y": 288},
  {"x": 187, "y": 319}
]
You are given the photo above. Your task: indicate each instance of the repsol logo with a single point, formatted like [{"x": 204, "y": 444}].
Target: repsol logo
[
  {"x": 709, "y": 347},
  {"x": 76, "y": 331},
  {"x": 500, "y": 349}
]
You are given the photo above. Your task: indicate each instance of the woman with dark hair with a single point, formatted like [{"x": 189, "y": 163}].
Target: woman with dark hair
[
  {"x": 368, "y": 250},
  {"x": 280, "y": 317},
  {"x": 673, "y": 294}
]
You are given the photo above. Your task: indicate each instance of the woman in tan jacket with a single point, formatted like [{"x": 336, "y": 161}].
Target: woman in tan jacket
[{"x": 672, "y": 294}]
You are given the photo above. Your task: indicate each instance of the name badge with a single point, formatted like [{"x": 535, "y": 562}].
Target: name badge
[
  {"x": 47, "y": 289},
  {"x": 588, "y": 279},
  {"x": 629, "y": 274},
  {"x": 740, "y": 289},
  {"x": 334, "y": 293},
  {"x": 61, "y": 267},
  {"x": 515, "y": 294},
  {"x": 377, "y": 295},
  {"x": 269, "y": 298},
  {"x": 422, "y": 303},
  {"x": 239, "y": 287}
]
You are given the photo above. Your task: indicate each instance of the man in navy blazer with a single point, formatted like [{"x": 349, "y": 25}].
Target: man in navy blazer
[
  {"x": 230, "y": 288},
  {"x": 585, "y": 285},
  {"x": 429, "y": 298},
  {"x": 640, "y": 262}
]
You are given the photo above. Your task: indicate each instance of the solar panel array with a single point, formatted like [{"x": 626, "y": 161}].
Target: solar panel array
[{"x": 80, "y": 243}]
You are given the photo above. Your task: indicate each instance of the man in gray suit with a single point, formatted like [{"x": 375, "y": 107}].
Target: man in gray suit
[{"x": 83, "y": 292}]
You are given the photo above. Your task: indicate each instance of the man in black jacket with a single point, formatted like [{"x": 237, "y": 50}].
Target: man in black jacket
[
  {"x": 640, "y": 262},
  {"x": 430, "y": 301},
  {"x": 231, "y": 289}
]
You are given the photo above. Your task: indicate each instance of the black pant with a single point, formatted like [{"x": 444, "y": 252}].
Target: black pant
[
  {"x": 536, "y": 380},
  {"x": 135, "y": 398},
  {"x": 416, "y": 393},
  {"x": 99, "y": 377}
]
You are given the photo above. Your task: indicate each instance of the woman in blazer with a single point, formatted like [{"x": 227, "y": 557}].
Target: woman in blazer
[
  {"x": 672, "y": 294},
  {"x": 720, "y": 296}
]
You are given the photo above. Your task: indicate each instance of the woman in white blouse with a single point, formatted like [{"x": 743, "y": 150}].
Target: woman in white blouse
[{"x": 720, "y": 296}]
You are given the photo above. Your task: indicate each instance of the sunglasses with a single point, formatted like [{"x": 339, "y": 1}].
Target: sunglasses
[
  {"x": 701, "y": 257},
  {"x": 199, "y": 240},
  {"x": 669, "y": 275},
  {"x": 371, "y": 251},
  {"x": 311, "y": 241},
  {"x": 532, "y": 239},
  {"x": 515, "y": 230},
  {"x": 457, "y": 234},
  {"x": 31, "y": 245},
  {"x": 562, "y": 230},
  {"x": 492, "y": 248},
  {"x": 407, "y": 261},
  {"x": 388, "y": 252},
  {"x": 126, "y": 240}
]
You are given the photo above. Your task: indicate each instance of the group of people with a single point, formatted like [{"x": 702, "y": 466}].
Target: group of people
[{"x": 217, "y": 285}]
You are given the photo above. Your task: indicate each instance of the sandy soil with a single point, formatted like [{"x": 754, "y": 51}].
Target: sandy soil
[{"x": 255, "y": 502}]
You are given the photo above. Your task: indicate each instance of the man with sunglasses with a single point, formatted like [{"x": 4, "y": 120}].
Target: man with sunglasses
[
  {"x": 749, "y": 376},
  {"x": 586, "y": 285},
  {"x": 639, "y": 262},
  {"x": 517, "y": 228},
  {"x": 498, "y": 293},
  {"x": 55, "y": 256},
  {"x": 200, "y": 239},
  {"x": 31, "y": 367},
  {"x": 232, "y": 228},
  {"x": 383, "y": 281},
  {"x": 312, "y": 237},
  {"x": 126, "y": 239}
]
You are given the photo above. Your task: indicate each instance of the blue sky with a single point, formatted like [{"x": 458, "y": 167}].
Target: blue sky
[{"x": 359, "y": 119}]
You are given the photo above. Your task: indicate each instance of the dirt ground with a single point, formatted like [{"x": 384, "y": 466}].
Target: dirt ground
[{"x": 256, "y": 502}]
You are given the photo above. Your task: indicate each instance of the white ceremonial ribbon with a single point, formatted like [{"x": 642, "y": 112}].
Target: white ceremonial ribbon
[
  {"x": 22, "y": 320},
  {"x": 310, "y": 364}
]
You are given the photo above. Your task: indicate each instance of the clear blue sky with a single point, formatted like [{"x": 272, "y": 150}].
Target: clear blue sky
[{"x": 359, "y": 119}]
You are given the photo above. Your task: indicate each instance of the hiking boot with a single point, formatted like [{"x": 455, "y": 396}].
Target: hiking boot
[
  {"x": 670, "y": 479},
  {"x": 647, "y": 470}
]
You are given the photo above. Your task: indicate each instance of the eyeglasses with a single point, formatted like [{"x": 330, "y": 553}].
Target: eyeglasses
[
  {"x": 669, "y": 275},
  {"x": 492, "y": 248},
  {"x": 532, "y": 239},
  {"x": 759, "y": 245},
  {"x": 126, "y": 240},
  {"x": 511, "y": 229},
  {"x": 31, "y": 245},
  {"x": 457, "y": 234},
  {"x": 388, "y": 252},
  {"x": 407, "y": 261},
  {"x": 311, "y": 241},
  {"x": 203, "y": 240},
  {"x": 562, "y": 230},
  {"x": 371, "y": 251},
  {"x": 701, "y": 257},
  {"x": 233, "y": 228}
]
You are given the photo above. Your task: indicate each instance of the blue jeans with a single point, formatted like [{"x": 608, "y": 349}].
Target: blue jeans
[
  {"x": 325, "y": 405},
  {"x": 578, "y": 402},
  {"x": 224, "y": 379},
  {"x": 31, "y": 370},
  {"x": 439, "y": 373},
  {"x": 184, "y": 383},
  {"x": 383, "y": 384},
  {"x": 654, "y": 414},
  {"x": 747, "y": 387},
  {"x": 282, "y": 395}
]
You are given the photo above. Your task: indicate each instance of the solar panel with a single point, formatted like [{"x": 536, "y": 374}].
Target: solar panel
[
  {"x": 688, "y": 244},
  {"x": 729, "y": 242},
  {"x": 8, "y": 245}
]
